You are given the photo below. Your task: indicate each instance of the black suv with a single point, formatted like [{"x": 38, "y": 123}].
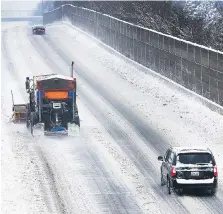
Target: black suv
[{"x": 189, "y": 168}]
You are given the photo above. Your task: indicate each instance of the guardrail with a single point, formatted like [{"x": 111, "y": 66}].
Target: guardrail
[{"x": 195, "y": 67}]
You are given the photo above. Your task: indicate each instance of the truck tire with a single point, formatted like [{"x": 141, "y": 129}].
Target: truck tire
[{"x": 32, "y": 119}]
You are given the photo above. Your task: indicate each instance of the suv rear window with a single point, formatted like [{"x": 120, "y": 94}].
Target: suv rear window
[{"x": 195, "y": 158}]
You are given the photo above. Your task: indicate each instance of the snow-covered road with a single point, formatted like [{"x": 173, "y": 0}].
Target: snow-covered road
[{"x": 128, "y": 118}]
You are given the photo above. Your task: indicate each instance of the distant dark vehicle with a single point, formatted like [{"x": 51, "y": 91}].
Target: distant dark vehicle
[
  {"x": 39, "y": 29},
  {"x": 184, "y": 168}
]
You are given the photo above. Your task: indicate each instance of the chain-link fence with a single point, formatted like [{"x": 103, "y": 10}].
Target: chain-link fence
[{"x": 197, "y": 68}]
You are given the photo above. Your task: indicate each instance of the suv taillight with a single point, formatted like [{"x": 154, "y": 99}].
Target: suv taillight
[
  {"x": 173, "y": 172},
  {"x": 215, "y": 171}
]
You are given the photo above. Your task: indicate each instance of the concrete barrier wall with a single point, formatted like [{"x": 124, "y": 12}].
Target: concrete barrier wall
[{"x": 195, "y": 67}]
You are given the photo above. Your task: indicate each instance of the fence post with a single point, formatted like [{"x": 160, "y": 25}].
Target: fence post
[{"x": 62, "y": 13}]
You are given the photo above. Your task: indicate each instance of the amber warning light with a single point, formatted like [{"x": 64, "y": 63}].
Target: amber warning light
[{"x": 56, "y": 95}]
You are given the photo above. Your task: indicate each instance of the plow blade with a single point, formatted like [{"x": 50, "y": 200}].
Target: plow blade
[
  {"x": 56, "y": 133},
  {"x": 73, "y": 130},
  {"x": 19, "y": 113}
]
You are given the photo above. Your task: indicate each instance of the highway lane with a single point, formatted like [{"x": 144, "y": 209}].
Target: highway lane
[
  {"x": 82, "y": 179},
  {"x": 65, "y": 47},
  {"x": 131, "y": 138}
]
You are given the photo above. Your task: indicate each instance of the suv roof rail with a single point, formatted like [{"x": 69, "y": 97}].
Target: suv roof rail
[{"x": 192, "y": 148}]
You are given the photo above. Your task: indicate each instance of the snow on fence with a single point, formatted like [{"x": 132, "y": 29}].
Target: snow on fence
[{"x": 193, "y": 66}]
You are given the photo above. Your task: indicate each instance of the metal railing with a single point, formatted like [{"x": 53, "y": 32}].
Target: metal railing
[{"x": 195, "y": 67}]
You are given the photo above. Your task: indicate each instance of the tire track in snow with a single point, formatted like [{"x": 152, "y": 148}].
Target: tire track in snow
[
  {"x": 48, "y": 191},
  {"x": 108, "y": 197},
  {"x": 7, "y": 57},
  {"x": 48, "y": 170},
  {"x": 110, "y": 183},
  {"x": 117, "y": 134},
  {"x": 137, "y": 123},
  {"x": 143, "y": 129},
  {"x": 118, "y": 202},
  {"x": 55, "y": 66}
]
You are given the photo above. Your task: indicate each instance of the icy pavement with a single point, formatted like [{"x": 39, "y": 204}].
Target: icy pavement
[
  {"x": 25, "y": 184},
  {"x": 112, "y": 166},
  {"x": 176, "y": 117}
]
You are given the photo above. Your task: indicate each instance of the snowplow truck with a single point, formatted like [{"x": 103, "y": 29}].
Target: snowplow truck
[{"x": 52, "y": 102}]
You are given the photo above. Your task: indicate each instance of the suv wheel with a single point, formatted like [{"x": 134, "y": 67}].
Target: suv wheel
[
  {"x": 162, "y": 180},
  {"x": 168, "y": 186},
  {"x": 212, "y": 191},
  {"x": 179, "y": 191}
]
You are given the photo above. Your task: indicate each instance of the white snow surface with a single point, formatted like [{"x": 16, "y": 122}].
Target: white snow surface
[
  {"x": 85, "y": 172},
  {"x": 21, "y": 178},
  {"x": 178, "y": 118},
  {"x": 175, "y": 116}
]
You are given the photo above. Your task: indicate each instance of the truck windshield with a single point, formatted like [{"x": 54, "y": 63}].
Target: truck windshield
[{"x": 195, "y": 158}]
